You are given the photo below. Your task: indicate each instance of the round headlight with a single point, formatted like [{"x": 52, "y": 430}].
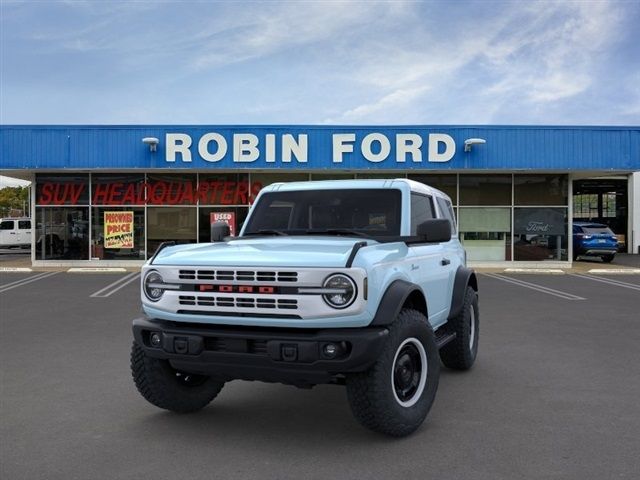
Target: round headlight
[
  {"x": 151, "y": 286},
  {"x": 341, "y": 291}
]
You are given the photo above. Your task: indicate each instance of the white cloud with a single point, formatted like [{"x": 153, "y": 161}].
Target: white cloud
[
  {"x": 389, "y": 103},
  {"x": 552, "y": 51},
  {"x": 285, "y": 26},
  {"x": 524, "y": 58},
  {"x": 12, "y": 182}
]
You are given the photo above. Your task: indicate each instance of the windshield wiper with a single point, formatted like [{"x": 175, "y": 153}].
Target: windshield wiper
[{"x": 338, "y": 231}]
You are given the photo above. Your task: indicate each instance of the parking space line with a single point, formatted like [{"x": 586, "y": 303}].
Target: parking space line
[
  {"x": 25, "y": 281},
  {"x": 533, "y": 286},
  {"x": 609, "y": 281},
  {"x": 115, "y": 286}
]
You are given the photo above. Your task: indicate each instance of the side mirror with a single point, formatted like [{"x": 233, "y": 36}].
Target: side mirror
[
  {"x": 435, "y": 231},
  {"x": 219, "y": 230}
]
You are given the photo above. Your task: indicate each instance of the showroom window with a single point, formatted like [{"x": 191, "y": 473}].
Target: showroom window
[
  {"x": 485, "y": 233},
  {"x": 165, "y": 189},
  {"x": 540, "y": 234},
  {"x": 500, "y": 216},
  {"x": 490, "y": 190},
  {"x": 117, "y": 233},
  {"x": 62, "y": 189},
  {"x": 165, "y": 224},
  {"x": 62, "y": 233},
  {"x": 118, "y": 189},
  {"x": 541, "y": 189}
]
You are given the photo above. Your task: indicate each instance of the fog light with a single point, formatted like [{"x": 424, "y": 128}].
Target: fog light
[
  {"x": 330, "y": 350},
  {"x": 155, "y": 339}
]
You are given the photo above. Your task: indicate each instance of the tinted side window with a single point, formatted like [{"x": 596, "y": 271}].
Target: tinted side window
[
  {"x": 6, "y": 225},
  {"x": 447, "y": 211},
  {"x": 421, "y": 210},
  {"x": 24, "y": 225}
]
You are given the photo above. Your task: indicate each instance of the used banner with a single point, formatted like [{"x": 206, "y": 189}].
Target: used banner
[
  {"x": 227, "y": 217},
  {"x": 118, "y": 229}
]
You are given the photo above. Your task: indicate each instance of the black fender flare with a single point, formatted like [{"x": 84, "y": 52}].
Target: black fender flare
[
  {"x": 464, "y": 277},
  {"x": 393, "y": 299}
]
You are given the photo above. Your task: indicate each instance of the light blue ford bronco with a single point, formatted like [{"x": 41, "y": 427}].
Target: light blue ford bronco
[{"x": 360, "y": 283}]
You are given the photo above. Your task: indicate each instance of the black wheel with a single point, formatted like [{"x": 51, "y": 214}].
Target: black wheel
[
  {"x": 460, "y": 353},
  {"x": 395, "y": 395},
  {"x": 165, "y": 387},
  {"x": 608, "y": 258}
]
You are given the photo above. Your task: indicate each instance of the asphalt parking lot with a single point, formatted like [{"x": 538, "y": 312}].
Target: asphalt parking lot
[{"x": 555, "y": 393}]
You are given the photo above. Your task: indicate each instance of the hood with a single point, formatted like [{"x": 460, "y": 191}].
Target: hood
[{"x": 293, "y": 251}]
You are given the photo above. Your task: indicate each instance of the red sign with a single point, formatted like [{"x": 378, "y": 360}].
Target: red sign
[
  {"x": 152, "y": 193},
  {"x": 227, "y": 217}
]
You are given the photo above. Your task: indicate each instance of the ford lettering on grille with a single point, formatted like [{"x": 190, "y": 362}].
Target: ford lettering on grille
[{"x": 238, "y": 289}]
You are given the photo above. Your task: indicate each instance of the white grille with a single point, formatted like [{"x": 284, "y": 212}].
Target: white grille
[
  {"x": 238, "y": 275},
  {"x": 238, "y": 302}
]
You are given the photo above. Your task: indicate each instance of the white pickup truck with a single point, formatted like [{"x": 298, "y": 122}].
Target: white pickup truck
[{"x": 15, "y": 232}]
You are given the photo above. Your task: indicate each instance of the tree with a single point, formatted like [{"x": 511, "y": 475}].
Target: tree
[{"x": 13, "y": 198}]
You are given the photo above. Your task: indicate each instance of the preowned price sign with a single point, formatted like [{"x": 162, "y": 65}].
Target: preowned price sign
[{"x": 118, "y": 229}]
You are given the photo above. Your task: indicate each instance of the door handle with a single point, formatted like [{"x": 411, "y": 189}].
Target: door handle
[{"x": 445, "y": 261}]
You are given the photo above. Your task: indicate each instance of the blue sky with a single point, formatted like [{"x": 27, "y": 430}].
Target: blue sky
[{"x": 455, "y": 62}]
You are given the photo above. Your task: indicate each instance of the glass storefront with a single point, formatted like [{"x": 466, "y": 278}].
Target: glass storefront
[
  {"x": 62, "y": 233},
  {"x": 485, "y": 232},
  {"x": 117, "y": 233},
  {"x": 125, "y": 216},
  {"x": 540, "y": 234}
]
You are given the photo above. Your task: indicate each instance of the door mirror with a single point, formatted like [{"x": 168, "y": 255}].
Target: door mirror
[
  {"x": 435, "y": 231},
  {"x": 219, "y": 230}
]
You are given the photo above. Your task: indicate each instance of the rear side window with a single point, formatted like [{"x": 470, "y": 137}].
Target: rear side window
[
  {"x": 24, "y": 224},
  {"x": 6, "y": 225},
  {"x": 447, "y": 211},
  {"x": 421, "y": 210}
]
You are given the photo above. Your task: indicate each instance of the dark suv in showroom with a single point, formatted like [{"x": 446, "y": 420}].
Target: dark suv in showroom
[{"x": 594, "y": 240}]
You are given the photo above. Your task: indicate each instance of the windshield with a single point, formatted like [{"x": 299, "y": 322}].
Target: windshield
[{"x": 361, "y": 212}]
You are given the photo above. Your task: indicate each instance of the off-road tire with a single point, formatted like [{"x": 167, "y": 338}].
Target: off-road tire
[
  {"x": 460, "y": 353},
  {"x": 165, "y": 387},
  {"x": 608, "y": 258},
  {"x": 371, "y": 393}
]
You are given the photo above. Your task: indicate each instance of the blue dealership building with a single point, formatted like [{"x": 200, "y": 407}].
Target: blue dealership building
[{"x": 516, "y": 189}]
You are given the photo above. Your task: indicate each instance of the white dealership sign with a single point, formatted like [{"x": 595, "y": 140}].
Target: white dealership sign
[{"x": 374, "y": 147}]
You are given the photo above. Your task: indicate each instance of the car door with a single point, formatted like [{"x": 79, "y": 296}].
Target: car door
[
  {"x": 427, "y": 267},
  {"x": 7, "y": 233},
  {"x": 24, "y": 232},
  {"x": 454, "y": 254}
]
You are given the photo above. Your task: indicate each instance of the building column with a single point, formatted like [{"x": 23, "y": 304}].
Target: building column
[{"x": 634, "y": 209}]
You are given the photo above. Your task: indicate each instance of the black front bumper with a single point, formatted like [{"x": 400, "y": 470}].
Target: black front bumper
[{"x": 293, "y": 356}]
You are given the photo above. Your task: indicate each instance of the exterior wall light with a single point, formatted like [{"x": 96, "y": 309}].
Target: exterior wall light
[
  {"x": 473, "y": 141},
  {"x": 152, "y": 142}
]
